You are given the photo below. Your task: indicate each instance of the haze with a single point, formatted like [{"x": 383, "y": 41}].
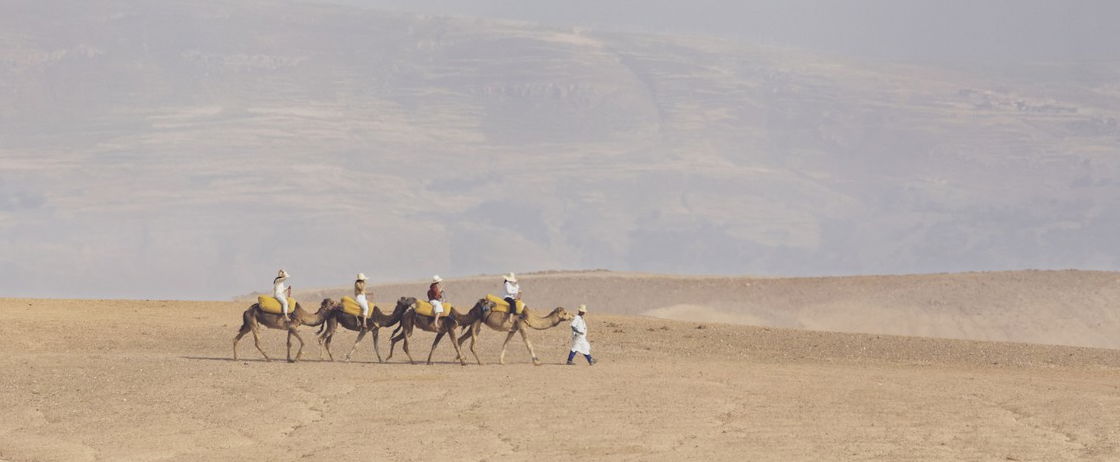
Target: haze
[
  {"x": 188, "y": 149},
  {"x": 919, "y": 30}
]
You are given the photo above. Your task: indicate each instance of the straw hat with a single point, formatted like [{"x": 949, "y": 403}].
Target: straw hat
[
  {"x": 362, "y": 277},
  {"x": 582, "y": 309},
  {"x": 436, "y": 278},
  {"x": 511, "y": 278},
  {"x": 282, "y": 274}
]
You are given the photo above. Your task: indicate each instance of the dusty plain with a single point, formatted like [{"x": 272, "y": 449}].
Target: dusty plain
[{"x": 88, "y": 380}]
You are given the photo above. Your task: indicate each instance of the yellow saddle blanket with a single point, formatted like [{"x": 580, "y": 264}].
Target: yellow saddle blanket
[
  {"x": 351, "y": 306},
  {"x": 272, "y": 305},
  {"x": 424, "y": 308},
  {"x": 501, "y": 306}
]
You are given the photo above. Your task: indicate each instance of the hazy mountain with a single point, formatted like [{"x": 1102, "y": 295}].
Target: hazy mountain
[
  {"x": 960, "y": 32},
  {"x": 188, "y": 149},
  {"x": 1053, "y": 307}
]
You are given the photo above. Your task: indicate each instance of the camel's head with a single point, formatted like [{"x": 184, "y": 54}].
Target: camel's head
[
  {"x": 484, "y": 304},
  {"x": 563, "y": 314},
  {"x": 406, "y": 302},
  {"x": 327, "y": 304}
]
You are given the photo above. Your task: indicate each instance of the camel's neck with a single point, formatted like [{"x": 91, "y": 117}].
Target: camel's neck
[
  {"x": 380, "y": 316},
  {"x": 316, "y": 318},
  {"x": 385, "y": 320},
  {"x": 545, "y": 322},
  {"x": 465, "y": 318}
]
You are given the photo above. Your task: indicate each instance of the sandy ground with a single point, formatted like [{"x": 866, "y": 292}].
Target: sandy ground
[{"x": 153, "y": 380}]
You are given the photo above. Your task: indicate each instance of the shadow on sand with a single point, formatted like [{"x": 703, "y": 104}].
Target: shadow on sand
[{"x": 316, "y": 360}]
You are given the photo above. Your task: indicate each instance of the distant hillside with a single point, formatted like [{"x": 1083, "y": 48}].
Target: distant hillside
[
  {"x": 187, "y": 149},
  {"x": 1051, "y": 307}
]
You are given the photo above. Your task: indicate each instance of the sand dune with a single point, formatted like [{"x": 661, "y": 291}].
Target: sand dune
[
  {"x": 1078, "y": 308},
  {"x": 88, "y": 380}
]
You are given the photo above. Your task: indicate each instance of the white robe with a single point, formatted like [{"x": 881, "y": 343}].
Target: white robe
[
  {"x": 579, "y": 336},
  {"x": 279, "y": 293},
  {"x": 512, "y": 290}
]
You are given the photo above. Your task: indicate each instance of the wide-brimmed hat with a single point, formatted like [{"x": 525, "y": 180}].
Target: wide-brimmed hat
[
  {"x": 436, "y": 278},
  {"x": 582, "y": 309},
  {"x": 510, "y": 277},
  {"x": 282, "y": 274},
  {"x": 362, "y": 277}
]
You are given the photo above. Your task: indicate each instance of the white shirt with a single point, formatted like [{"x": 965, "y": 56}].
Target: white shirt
[
  {"x": 579, "y": 336},
  {"x": 512, "y": 289},
  {"x": 278, "y": 288}
]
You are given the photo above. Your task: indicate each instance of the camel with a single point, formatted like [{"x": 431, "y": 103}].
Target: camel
[
  {"x": 508, "y": 322},
  {"x": 374, "y": 323},
  {"x": 254, "y": 317},
  {"x": 447, "y": 325}
]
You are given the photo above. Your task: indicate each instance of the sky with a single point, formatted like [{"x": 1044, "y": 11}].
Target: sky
[
  {"x": 961, "y": 31},
  {"x": 188, "y": 149}
]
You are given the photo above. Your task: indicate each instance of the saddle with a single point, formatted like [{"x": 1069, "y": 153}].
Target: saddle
[
  {"x": 501, "y": 306},
  {"x": 423, "y": 308},
  {"x": 351, "y": 307},
  {"x": 272, "y": 305}
]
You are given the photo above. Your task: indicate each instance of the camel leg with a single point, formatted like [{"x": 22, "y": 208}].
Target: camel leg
[
  {"x": 458, "y": 349},
  {"x": 290, "y": 346},
  {"x": 257, "y": 342},
  {"x": 327, "y": 346},
  {"x": 396, "y": 337},
  {"x": 299, "y": 352},
  {"x": 439, "y": 336},
  {"x": 405, "y": 348},
  {"x": 325, "y": 340},
  {"x": 474, "y": 333},
  {"x": 528, "y": 344},
  {"x": 241, "y": 333},
  {"x": 375, "y": 350},
  {"x": 361, "y": 334},
  {"x": 502, "y": 357},
  {"x": 461, "y": 339}
]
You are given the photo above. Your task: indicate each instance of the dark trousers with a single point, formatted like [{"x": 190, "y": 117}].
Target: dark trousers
[
  {"x": 512, "y": 306},
  {"x": 572, "y": 355}
]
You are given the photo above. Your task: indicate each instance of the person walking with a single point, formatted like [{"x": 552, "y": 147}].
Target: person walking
[
  {"x": 579, "y": 338},
  {"x": 281, "y": 292},
  {"x": 360, "y": 297},
  {"x": 435, "y": 297}
]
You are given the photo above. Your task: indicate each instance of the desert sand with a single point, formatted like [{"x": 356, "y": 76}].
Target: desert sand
[{"x": 87, "y": 380}]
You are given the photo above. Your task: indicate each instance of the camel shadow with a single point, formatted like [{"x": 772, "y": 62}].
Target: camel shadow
[
  {"x": 249, "y": 360},
  {"x": 387, "y": 363}
]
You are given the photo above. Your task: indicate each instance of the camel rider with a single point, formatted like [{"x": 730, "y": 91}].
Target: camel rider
[
  {"x": 579, "y": 337},
  {"x": 513, "y": 293},
  {"x": 282, "y": 291},
  {"x": 360, "y": 297},
  {"x": 435, "y": 297}
]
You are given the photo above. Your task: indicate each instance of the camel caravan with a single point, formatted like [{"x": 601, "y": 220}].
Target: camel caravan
[{"x": 504, "y": 314}]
